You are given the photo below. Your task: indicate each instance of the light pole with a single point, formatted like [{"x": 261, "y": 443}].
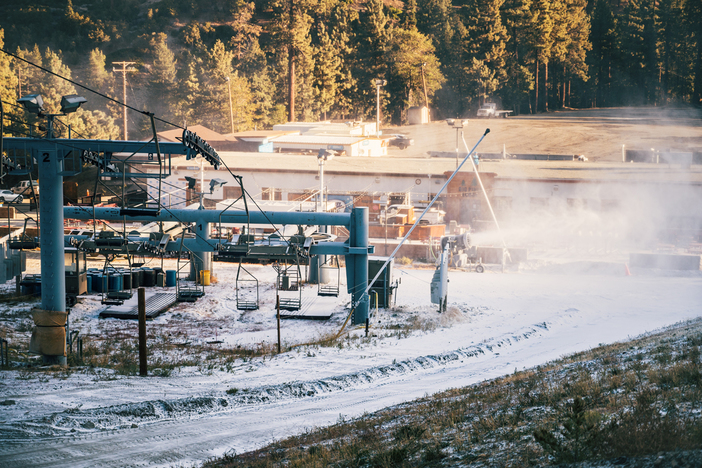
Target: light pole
[
  {"x": 231, "y": 108},
  {"x": 458, "y": 124},
  {"x": 53, "y": 278},
  {"x": 378, "y": 84}
]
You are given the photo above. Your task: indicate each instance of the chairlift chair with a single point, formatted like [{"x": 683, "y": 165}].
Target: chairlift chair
[
  {"x": 186, "y": 292},
  {"x": 244, "y": 289},
  {"x": 330, "y": 264},
  {"x": 288, "y": 280}
]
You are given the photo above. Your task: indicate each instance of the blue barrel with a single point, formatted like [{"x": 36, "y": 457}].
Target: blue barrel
[
  {"x": 135, "y": 278},
  {"x": 89, "y": 280},
  {"x": 112, "y": 282},
  {"x": 119, "y": 281},
  {"x": 170, "y": 278}
]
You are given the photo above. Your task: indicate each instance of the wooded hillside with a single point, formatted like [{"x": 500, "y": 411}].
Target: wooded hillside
[{"x": 190, "y": 56}]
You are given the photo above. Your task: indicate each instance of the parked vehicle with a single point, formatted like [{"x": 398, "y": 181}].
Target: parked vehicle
[
  {"x": 401, "y": 141},
  {"x": 489, "y": 110},
  {"x": 9, "y": 197},
  {"x": 23, "y": 188}
]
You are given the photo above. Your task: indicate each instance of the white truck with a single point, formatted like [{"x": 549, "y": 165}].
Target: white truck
[
  {"x": 489, "y": 110},
  {"x": 23, "y": 188}
]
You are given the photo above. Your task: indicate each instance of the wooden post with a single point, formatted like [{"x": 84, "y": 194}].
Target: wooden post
[
  {"x": 142, "y": 331},
  {"x": 277, "y": 307}
]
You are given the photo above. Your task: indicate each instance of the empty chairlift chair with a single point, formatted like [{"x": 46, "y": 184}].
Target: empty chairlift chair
[
  {"x": 246, "y": 290},
  {"x": 328, "y": 276},
  {"x": 186, "y": 291},
  {"x": 289, "y": 281}
]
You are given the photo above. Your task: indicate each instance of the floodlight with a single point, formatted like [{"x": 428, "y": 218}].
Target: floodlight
[
  {"x": 326, "y": 154},
  {"x": 191, "y": 182},
  {"x": 34, "y": 103},
  {"x": 71, "y": 103},
  {"x": 215, "y": 183}
]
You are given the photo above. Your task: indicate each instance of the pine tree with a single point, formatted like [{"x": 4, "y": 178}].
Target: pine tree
[
  {"x": 8, "y": 93},
  {"x": 633, "y": 54},
  {"x": 484, "y": 48},
  {"x": 569, "y": 51},
  {"x": 409, "y": 15},
  {"x": 519, "y": 82},
  {"x": 540, "y": 43},
  {"x": 161, "y": 78},
  {"x": 409, "y": 55},
  {"x": 290, "y": 49},
  {"x": 368, "y": 61},
  {"x": 96, "y": 76},
  {"x": 604, "y": 42},
  {"x": 693, "y": 21}
]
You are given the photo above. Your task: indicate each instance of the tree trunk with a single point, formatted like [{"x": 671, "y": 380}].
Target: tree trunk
[
  {"x": 536, "y": 86},
  {"x": 563, "y": 97},
  {"x": 546, "y": 87},
  {"x": 697, "y": 90}
]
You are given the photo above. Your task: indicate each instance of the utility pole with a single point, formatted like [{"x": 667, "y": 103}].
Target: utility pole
[{"x": 125, "y": 68}]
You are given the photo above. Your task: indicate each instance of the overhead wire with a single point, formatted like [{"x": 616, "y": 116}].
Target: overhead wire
[{"x": 75, "y": 83}]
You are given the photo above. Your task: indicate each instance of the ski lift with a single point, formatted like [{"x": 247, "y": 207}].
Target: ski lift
[
  {"x": 289, "y": 281},
  {"x": 186, "y": 292},
  {"x": 243, "y": 292},
  {"x": 24, "y": 241},
  {"x": 326, "y": 270}
]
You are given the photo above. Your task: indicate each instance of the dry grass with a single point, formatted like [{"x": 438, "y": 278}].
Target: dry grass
[{"x": 626, "y": 399}]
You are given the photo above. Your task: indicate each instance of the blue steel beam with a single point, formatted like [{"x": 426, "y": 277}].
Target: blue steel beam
[
  {"x": 107, "y": 146},
  {"x": 213, "y": 216},
  {"x": 356, "y": 250}
]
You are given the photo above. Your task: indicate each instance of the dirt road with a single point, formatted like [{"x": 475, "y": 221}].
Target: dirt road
[{"x": 598, "y": 134}]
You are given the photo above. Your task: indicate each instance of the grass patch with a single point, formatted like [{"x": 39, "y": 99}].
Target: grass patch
[{"x": 620, "y": 400}]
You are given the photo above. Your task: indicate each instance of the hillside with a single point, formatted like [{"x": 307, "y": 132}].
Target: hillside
[{"x": 629, "y": 404}]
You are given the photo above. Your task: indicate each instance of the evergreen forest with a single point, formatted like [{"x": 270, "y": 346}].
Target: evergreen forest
[{"x": 233, "y": 65}]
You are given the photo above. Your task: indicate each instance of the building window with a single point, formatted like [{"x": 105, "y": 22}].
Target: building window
[
  {"x": 537, "y": 204},
  {"x": 231, "y": 192},
  {"x": 270, "y": 193},
  {"x": 502, "y": 204}
]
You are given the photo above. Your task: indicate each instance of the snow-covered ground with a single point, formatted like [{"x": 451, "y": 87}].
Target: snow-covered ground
[{"x": 496, "y": 323}]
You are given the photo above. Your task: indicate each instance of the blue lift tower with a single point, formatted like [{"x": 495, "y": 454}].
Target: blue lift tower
[{"x": 57, "y": 158}]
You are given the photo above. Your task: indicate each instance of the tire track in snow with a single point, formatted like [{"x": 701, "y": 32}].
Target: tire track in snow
[{"x": 76, "y": 422}]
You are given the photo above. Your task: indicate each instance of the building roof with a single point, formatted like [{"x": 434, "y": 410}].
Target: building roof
[
  {"x": 318, "y": 139},
  {"x": 203, "y": 132},
  {"x": 261, "y": 135},
  {"x": 565, "y": 171}
]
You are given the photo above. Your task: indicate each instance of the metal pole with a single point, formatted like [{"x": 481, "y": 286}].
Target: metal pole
[
  {"x": 277, "y": 308},
  {"x": 124, "y": 71},
  {"x": 143, "y": 371},
  {"x": 359, "y": 240},
  {"x": 377, "y": 110}
]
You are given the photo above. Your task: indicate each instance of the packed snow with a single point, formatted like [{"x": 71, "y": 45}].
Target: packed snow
[{"x": 496, "y": 322}]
